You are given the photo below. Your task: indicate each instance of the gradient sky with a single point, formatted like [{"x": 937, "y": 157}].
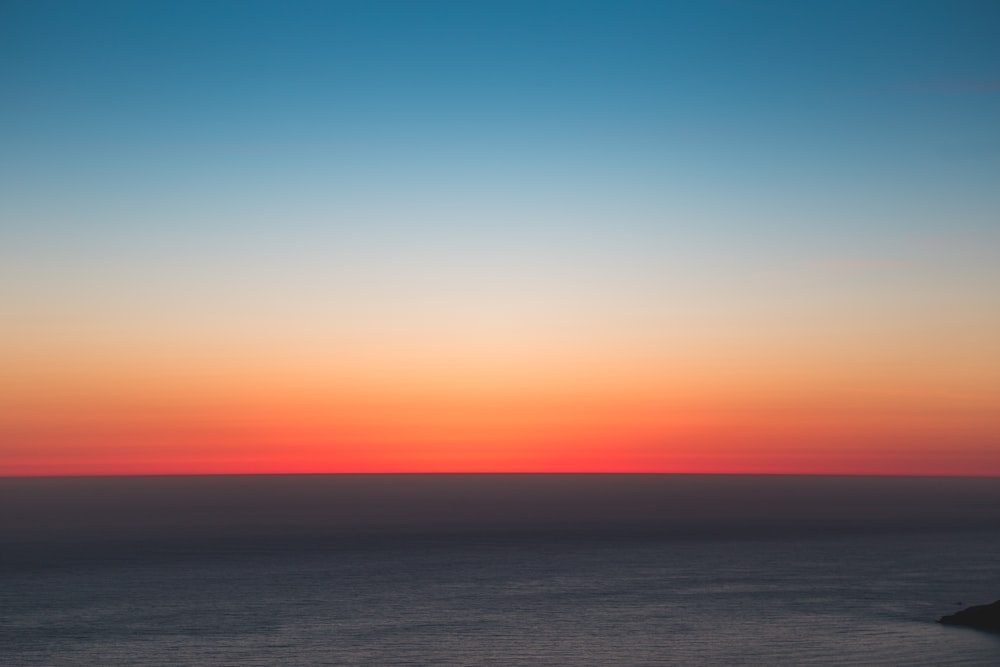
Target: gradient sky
[{"x": 715, "y": 236}]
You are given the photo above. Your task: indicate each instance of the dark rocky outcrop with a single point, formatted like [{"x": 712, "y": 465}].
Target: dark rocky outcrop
[{"x": 984, "y": 617}]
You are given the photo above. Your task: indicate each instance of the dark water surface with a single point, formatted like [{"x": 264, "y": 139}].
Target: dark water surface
[{"x": 496, "y": 569}]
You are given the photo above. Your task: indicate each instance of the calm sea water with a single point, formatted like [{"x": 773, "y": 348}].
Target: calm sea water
[{"x": 426, "y": 596}]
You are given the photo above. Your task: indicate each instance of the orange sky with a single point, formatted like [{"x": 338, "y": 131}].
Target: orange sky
[{"x": 250, "y": 409}]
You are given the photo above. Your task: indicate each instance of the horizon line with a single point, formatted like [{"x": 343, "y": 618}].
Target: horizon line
[{"x": 404, "y": 473}]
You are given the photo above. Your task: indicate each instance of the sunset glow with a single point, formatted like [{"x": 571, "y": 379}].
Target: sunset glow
[{"x": 443, "y": 237}]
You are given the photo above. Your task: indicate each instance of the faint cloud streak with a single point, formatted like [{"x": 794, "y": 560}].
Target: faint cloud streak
[
  {"x": 856, "y": 265},
  {"x": 955, "y": 86}
]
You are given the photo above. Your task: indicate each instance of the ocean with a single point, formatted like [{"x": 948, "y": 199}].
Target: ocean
[{"x": 496, "y": 570}]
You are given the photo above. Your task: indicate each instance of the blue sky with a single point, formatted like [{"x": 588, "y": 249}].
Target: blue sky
[
  {"x": 769, "y": 123},
  {"x": 725, "y": 92}
]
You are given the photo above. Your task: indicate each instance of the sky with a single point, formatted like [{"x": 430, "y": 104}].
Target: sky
[{"x": 400, "y": 236}]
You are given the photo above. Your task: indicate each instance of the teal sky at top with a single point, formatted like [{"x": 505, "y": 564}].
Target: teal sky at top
[{"x": 670, "y": 133}]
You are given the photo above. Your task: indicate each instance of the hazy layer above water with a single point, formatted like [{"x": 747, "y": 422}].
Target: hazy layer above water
[{"x": 321, "y": 505}]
